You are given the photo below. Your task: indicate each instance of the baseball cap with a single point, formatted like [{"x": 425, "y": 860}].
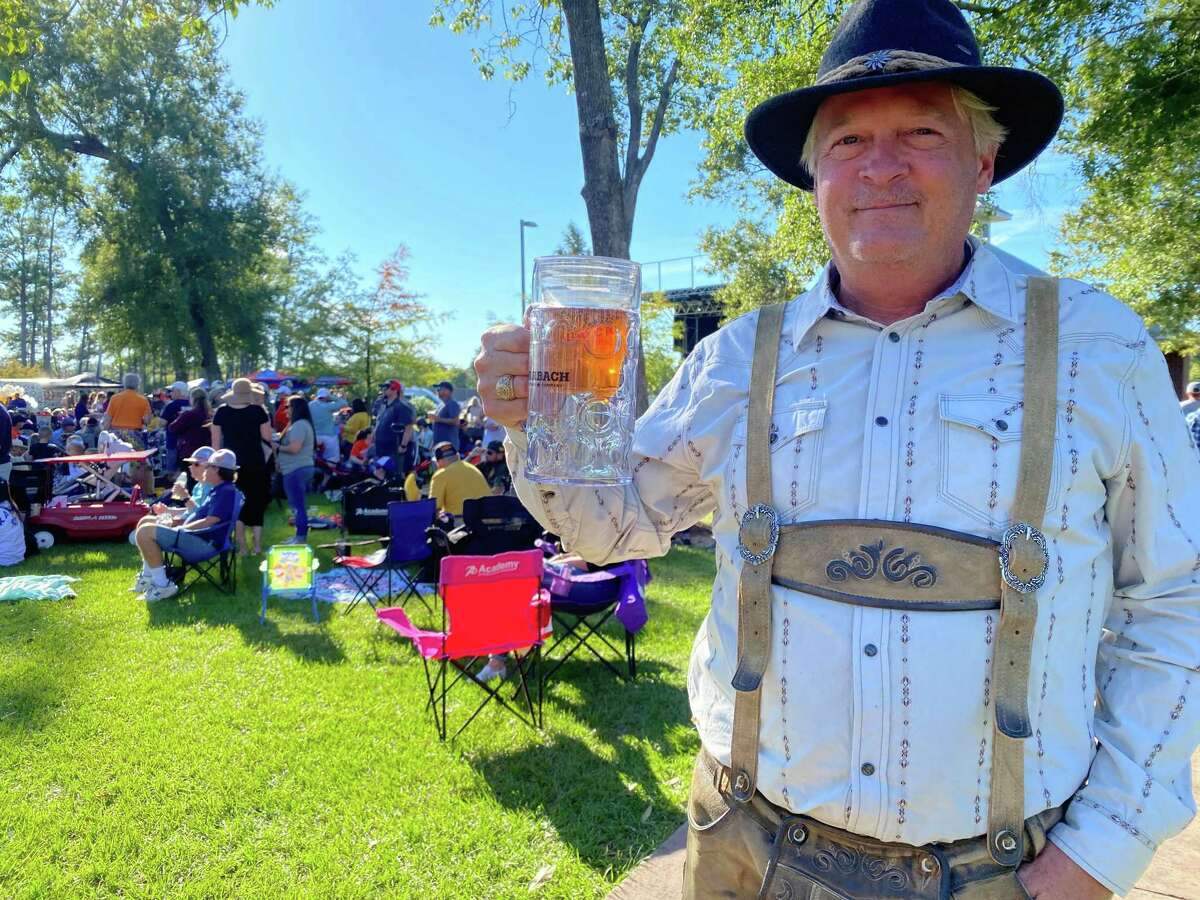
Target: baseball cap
[
  {"x": 443, "y": 384},
  {"x": 323, "y": 393},
  {"x": 393, "y": 385},
  {"x": 1194, "y": 387},
  {"x": 200, "y": 455},
  {"x": 180, "y": 386},
  {"x": 387, "y": 463},
  {"x": 284, "y": 390},
  {"x": 444, "y": 449},
  {"x": 224, "y": 459},
  {"x": 496, "y": 446}
]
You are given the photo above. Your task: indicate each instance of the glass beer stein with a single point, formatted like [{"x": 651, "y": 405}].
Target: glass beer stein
[{"x": 583, "y": 348}]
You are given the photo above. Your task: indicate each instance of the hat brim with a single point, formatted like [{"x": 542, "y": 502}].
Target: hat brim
[{"x": 1027, "y": 104}]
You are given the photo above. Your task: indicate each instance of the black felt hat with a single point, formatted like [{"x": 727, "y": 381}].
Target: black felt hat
[{"x": 881, "y": 43}]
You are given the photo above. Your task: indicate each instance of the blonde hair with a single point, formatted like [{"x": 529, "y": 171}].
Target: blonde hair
[{"x": 970, "y": 107}]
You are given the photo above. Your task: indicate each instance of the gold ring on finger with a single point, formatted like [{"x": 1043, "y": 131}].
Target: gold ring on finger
[{"x": 505, "y": 389}]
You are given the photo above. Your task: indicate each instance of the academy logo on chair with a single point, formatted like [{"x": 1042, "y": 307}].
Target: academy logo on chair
[{"x": 485, "y": 570}]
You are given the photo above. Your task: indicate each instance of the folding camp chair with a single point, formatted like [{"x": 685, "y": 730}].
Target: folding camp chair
[
  {"x": 217, "y": 566},
  {"x": 490, "y": 605},
  {"x": 403, "y": 553},
  {"x": 581, "y": 603},
  {"x": 494, "y": 525},
  {"x": 289, "y": 572}
]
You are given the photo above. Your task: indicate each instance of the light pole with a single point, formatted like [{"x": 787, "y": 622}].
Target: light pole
[{"x": 524, "y": 224}]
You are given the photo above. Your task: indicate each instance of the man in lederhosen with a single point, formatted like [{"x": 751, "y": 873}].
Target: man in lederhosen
[{"x": 953, "y": 506}]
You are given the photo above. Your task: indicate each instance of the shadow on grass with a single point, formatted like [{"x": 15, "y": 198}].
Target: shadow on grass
[
  {"x": 602, "y": 795},
  {"x": 206, "y": 606}
]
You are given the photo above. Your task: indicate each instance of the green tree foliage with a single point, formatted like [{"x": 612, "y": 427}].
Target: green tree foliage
[
  {"x": 573, "y": 243},
  {"x": 35, "y": 285},
  {"x": 23, "y": 22},
  {"x": 180, "y": 234},
  {"x": 1136, "y": 89},
  {"x": 658, "y": 342}
]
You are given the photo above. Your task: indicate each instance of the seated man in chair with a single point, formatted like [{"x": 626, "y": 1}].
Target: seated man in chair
[
  {"x": 202, "y": 529},
  {"x": 454, "y": 481}
]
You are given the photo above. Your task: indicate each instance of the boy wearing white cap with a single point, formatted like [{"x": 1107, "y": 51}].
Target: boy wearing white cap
[{"x": 202, "y": 529}]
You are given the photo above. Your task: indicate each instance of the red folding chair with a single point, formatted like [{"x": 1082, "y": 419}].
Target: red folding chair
[{"x": 490, "y": 605}]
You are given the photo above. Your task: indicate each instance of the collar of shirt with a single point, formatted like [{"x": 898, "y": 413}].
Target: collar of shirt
[{"x": 984, "y": 281}]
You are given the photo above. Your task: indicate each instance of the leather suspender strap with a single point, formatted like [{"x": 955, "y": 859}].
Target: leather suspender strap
[
  {"x": 758, "y": 537},
  {"x": 1023, "y": 565}
]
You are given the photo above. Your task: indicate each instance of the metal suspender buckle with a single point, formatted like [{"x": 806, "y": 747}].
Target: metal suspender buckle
[
  {"x": 758, "y": 535},
  {"x": 1034, "y": 537}
]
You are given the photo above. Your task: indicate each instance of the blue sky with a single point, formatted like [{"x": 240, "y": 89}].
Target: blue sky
[{"x": 388, "y": 129}]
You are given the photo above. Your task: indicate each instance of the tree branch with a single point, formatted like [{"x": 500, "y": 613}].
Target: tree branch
[
  {"x": 633, "y": 93},
  {"x": 9, "y": 154},
  {"x": 981, "y": 9},
  {"x": 660, "y": 113}
]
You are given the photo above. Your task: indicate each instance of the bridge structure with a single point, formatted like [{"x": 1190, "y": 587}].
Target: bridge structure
[{"x": 685, "y": 282}]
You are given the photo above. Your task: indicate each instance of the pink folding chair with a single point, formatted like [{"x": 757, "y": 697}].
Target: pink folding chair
[{"x": 490, "y": 605}]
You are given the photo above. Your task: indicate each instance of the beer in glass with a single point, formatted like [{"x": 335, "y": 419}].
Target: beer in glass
[{"x": 583, "y": 348}]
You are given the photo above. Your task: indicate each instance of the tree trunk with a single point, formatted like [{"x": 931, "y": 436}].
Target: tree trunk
[
  {"x": 602, "y": 187},
  {"x": 23, "y": 303},
  {"x": 611, "y": 197},
  {"x": 48, "y": 337}
]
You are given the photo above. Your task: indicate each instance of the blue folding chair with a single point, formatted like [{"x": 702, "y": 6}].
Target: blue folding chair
[
  {"x": 403, "y": 554},
  {"x": 289, "y": 572},
  {"x": 217, "y": 566}
]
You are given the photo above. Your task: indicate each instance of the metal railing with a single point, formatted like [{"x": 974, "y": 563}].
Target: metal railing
[{"x": 676, "y": 273}]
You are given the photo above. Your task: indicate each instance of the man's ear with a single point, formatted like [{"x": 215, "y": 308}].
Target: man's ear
[{"x": 987, "y": 170}]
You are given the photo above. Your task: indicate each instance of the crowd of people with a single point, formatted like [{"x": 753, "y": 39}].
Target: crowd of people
[{"x": 263, "y": 442}]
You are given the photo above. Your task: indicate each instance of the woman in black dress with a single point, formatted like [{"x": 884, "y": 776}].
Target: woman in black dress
[{"x": 241, "y": 425}]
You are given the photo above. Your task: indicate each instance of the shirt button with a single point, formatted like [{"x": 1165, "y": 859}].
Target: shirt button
[
  {"x": 867, "y": 769},
  {"x": 870, "y": 649},
  {"x": 893, "y": 337},
  {"x": 1001, "y": 425},
  {"x": 881, "y": 421}
]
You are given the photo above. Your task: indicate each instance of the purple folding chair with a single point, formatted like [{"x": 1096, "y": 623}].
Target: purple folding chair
[{"x": 403, "y": 554}]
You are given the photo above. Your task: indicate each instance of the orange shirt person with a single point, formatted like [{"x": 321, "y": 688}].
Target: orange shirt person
[{"x": 128, "y": 409}]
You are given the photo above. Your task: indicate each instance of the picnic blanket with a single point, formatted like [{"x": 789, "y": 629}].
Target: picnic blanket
[
  {"x": 37, "y": 587},
  {"x": 336, "y": 586}
]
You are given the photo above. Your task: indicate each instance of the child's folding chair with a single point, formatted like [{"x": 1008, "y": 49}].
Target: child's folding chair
[
  {"x": 491, "y": 605},
  {"x": 289, "y": 572}
]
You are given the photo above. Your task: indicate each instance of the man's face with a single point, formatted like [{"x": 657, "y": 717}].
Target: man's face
[
  {"x": 897, "y": 174},
  {"x": 390, "y": 394},
  {"x": 444, "y": 394}
]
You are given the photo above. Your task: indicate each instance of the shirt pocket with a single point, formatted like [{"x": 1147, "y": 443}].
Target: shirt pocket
[
  {"x": 795, "y": 440},
  {"x": 981, "y": 453}
]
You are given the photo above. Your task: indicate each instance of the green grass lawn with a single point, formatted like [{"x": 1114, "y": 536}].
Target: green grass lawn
[{"x": 182, "y": 749}]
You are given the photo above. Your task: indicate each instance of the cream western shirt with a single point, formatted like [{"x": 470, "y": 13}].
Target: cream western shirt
[{"x": 879, "y": 721}]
